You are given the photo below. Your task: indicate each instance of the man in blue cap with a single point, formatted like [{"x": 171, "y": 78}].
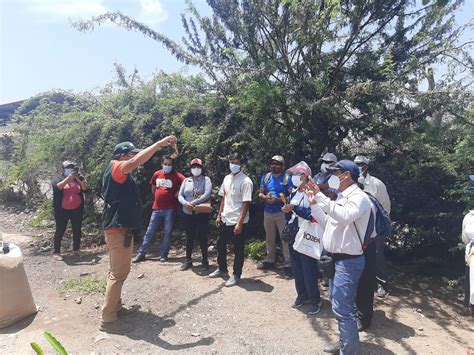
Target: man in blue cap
[{"x": 346, "y": 222}]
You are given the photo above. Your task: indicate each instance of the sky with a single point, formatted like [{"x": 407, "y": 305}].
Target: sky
[{"x": 40, "y": 50}]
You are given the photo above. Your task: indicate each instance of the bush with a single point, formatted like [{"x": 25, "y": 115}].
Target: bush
[{"x": 256, "y": 250}]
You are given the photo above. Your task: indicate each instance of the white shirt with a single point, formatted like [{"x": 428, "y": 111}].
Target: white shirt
[
  {"x": 353, "y": 206},
  {"x": 237, "y": 189},
  {"x": 468, "y": 228},
  {"x": 377, "y": 188}
]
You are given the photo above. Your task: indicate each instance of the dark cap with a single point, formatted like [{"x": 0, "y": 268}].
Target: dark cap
[
  {"x": 125, "y": 147},
  {"x": 346, "y": 165}
]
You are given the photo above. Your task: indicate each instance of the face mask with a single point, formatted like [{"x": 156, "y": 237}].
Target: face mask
[
  {"x": 234, "y": 168},
  {"x": 324, "y": 167},
  {"x": 334, "y": 182},
  {"x": 68, "y": 171},
  {"x": 167, "y": 168},
  {"x": 296, "y": 180},
  {"x": 196, "y": 171}
]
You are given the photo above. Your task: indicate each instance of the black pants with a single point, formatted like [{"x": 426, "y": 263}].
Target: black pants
[
  {"x": 366, "y": 287},
  {"x": 467, "y": 288},
  {"x": 197, "y": 227},
  {"x": 226, "y": 235},
  {"x": 62, "y": 217}
]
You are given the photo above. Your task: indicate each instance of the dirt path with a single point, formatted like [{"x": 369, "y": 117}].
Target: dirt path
[{"x": 190, "y": 313}]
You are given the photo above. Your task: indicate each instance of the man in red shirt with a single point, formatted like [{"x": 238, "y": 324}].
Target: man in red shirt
[{"x": 165, "y": 185}]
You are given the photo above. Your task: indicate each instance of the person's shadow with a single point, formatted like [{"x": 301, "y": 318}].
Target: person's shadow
[
  {"x": 387, "y": 328},
  {"x": 84, "y": 259},
  {"x": 253, "y": 284},
  {"x": 148, "y": 327}
]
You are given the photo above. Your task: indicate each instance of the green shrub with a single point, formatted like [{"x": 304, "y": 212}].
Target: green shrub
[
  {"x": 44, "y": 212},
  {"x": 256, "y": 250},
  {"x": 85, "y": 286}
]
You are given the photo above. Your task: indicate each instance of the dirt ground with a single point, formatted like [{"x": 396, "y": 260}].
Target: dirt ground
[{"x": 190, "y": 313}]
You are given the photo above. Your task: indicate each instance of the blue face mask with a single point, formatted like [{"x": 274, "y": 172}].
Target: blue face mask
[
  {"x": 234, "y": 168},
  {"x": 167, "y": 168}
]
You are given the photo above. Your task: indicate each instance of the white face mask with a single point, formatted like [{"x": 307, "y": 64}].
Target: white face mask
[
  {"x": 296, "y": 180},
  {"x": 68, "y": 171},
  {"x": 334, "y": 182},
  {"x": 324, "y": 167},
  {"x": 196, "y": 171}
]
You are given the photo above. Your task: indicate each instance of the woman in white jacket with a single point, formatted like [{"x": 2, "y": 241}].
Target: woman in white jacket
[{"x": 468, "y": 239}]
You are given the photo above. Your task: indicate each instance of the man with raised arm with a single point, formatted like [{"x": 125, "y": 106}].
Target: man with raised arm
[{"x": 122, "y": 216}]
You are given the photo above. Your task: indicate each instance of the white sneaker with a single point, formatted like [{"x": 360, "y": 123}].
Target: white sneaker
[
  {"x": 217, "y": 273},
  {"x": 232, "y": 281}
]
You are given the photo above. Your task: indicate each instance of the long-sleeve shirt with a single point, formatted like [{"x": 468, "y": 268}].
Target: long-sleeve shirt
[
  {"x": 351, "y": 209},
  {"x": 194, "y": 191},
  {"x": 377, "y": 188}
]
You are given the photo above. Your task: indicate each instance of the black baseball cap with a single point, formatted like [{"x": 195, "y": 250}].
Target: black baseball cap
[{"x": 125, "y": 147}]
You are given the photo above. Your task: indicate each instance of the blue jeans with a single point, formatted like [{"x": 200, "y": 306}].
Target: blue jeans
[
  {"x": 305, "y": 271},
  {"x": 156, "y": 216},
  {"x": 343, "y": 289}
]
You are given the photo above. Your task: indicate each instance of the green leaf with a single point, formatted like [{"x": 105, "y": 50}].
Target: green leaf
[
  {"x": 37, "y": 349},
  {"x": 55, "y": 343}
]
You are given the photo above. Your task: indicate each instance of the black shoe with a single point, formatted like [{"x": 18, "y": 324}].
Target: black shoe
[
  {"x": 265, "y": 265},
  {"x": 186, "y": 265},
  {"x": 138, "y": 258},
  {"x": 204, "y": 266},
  {"x": 288, "y": 272},
  {"x": 298, "y": 303},
  {"x": 314, "y": 308},
  {"x": 325, "y": 282},
  {"x": 361, "y": 326},
  {"x": 333, "y": 348}
]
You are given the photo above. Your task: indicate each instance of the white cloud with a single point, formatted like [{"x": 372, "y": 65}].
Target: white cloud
[
  {"x": 67, "y": 8},
  {"x": 152, "y": 12}
]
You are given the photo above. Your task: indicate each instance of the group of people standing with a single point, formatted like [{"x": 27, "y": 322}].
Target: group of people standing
[{"x": 334, "y": 201}]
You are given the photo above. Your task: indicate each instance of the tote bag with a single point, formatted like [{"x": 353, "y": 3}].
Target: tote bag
[{"x": 308, "y": 240}]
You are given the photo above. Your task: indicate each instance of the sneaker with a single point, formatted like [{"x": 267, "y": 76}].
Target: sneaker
[
  {"x": 314, "y": 308},
  {"x": 288, "y": 272},
  {"x": 298, "y": 303},
  {"x": 57, "y": 257},
  {"x": 186, "y": 265},
  {"x": 218, "y": 273},
  {"x": 333, "y": 348},
  {"x": 325, "y": 282},
  {"x": 232, "y": 281},
  {"x": 361, "y": 326},
  {"x": 381, "y": 292},
  {"x": 205, "y": 266},
  {"x": 127, "y": 312},
  {"x": 138, "y": 258},
  {"x": 163, "y": 259},
  {"x": 265, "y": 265},
  {"x": 115, "y": 327}
]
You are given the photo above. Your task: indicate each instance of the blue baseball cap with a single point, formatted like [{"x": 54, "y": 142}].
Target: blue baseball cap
[
  {"x": 472, "y": 179},
  {"x": 345, "y": 165}
]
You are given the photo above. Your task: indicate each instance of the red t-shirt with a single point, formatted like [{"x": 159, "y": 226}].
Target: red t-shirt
[
  {"x": 71, "y": 196},
  {"x": 166, "y": 189}
]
